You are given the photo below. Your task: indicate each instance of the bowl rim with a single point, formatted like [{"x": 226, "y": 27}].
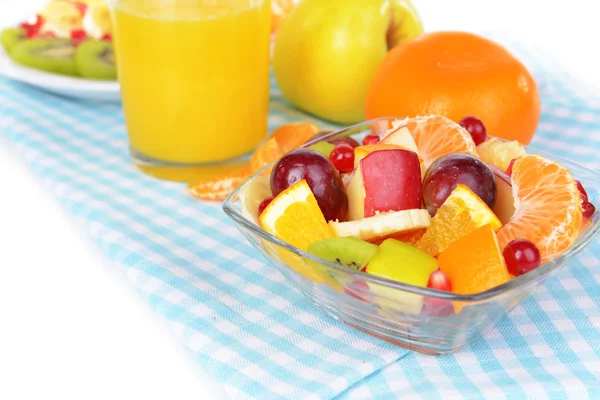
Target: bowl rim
[{"x": 522, "y": 281}]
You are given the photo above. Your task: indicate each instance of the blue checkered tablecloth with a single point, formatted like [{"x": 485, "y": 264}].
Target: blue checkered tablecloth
[{"x": 247, "y": 326}]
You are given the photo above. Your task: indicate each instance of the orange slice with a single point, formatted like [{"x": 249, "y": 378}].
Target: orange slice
[
  {"x": 294, "y": 134},
  {"x": 437, "y": 136},
  {"x": 548, "y": 206},
  {"x": 462, "y": 213},
  {"x": 284, "y": 139},
  {"x": 295, "y": 217},
  {"x": 474, "y": 263}
]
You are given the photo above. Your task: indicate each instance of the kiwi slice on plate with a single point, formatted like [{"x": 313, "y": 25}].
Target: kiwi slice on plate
[
  {"x": 350, "y": 252},
  {"x": 96, "y": 60},
  {"x": 52, "y": 55},
  {"x": 11, "y": 36}
]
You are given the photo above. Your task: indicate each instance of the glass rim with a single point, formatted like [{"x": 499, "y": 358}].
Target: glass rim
[{"x": 525, "y": 280}]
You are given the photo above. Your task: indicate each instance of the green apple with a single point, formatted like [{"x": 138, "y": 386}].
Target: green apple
[
  {"x": 401, "y": 262},
  {"x": 327, "y": 52}
]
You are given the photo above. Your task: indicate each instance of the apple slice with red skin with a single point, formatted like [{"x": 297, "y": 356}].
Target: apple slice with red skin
[
  {"x": 386, "y": 180},
  {"x": 505, "y": 201}
]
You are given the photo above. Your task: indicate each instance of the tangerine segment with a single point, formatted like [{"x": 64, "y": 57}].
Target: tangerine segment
[
  {"x": 295, "y": 217},
  {"x": 437, "y": 136},
  {"x": 548, "y": 206},
  {"x": 294, "y": 134},
  {"x": 462, "y": 213},
  {"x": 474, "y": 263},
  {"x": 218, "y": 189},
  {"x": 268, "y": 152}
]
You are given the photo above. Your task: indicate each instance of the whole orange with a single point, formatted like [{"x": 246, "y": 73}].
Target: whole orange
[{"x": 456, "y": 74}]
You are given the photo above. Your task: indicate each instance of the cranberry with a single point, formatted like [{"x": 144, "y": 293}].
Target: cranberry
[
  {"x": 588, "y": 210},
  {"x": 475, "y": 127},
  {"x": 32, "y": 29},
  {"x": 78, "y": 36},
  {"x": 370, "y": 139},
  {"x": 342, "y": 157},
  {"x": 521, "y": 256},
  {"x": 440, "y": 281},
  {"x": 263, "y": 204}
]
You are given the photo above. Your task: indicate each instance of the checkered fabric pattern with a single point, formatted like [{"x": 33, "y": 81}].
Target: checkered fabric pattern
[{"x": 247, "y": 326}]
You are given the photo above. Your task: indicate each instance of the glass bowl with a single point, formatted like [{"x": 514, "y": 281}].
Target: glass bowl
[{"x": 417, "y": 318}]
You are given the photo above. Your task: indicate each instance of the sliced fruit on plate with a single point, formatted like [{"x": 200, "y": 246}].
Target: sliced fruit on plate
[
  {"x": 404, "y": 263},
  {"x": 61, "y": 17},
  {"x": 462, "y": 213},
  {"x": 474, "y": 263},
  {"x": 500, "y": 153},
  {"x": 252, "y": 195},
  {"x": 548, "y": 206},
  {"x": 11, "y": 36},
  {"x": 383, "y": 224},
  {"x": 350, "y": 252},
  {"x": 95, "y": 59},
  {"x": 52, "y": 55},
  {"x": 436, "y": 136},
  {"x": 294, "y": 216},
  {"x": 386, "y": 180}
]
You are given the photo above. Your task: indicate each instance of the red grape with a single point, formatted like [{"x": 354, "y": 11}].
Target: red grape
[
  {"x": 320, "y": 174},
  {"x": 475, "y": 127},
  {"x": 370, "y": 139},
  {"x": 588, "y": 210},
  {"x": 263, "y": 204},
  {"x": 448, "y": 171},
  {"x": 582, "y": 192},
  {"x": 342, "y": 157},
  {"x": 521, "y": 256}
]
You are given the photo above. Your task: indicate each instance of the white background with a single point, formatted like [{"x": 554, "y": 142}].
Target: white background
[{"x": 70, "y": 323}]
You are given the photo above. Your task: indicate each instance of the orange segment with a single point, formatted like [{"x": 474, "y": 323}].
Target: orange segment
[
  {"x": 548, "y": 206},
  {"x": 293, "y": 135},
  {"x": 474, "y": 263},
  {"x": 437, "y": 136},
  {"x": 265, "y": 154},
  {"x": 462, "y": 213},
  {"x": 295, "y": 217},
  {"x": 219, "y": 188}
]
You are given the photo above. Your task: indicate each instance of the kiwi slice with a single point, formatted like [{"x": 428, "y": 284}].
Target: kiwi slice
[
  {"x": 11, "y": 36},
  {"x": 350, "y": 252},
  {"x": 96, "y": 60},
  {"x": 324, "y": 148},
  {"x": 52, "y": 55}
]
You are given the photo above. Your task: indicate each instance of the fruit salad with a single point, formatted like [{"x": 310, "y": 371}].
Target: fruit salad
[
  {"x": 423, "y": 201},
  {"x": 65, "y": 37}
]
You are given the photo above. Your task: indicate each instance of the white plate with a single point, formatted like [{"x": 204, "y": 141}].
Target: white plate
[{"x": 78, "y": 88}]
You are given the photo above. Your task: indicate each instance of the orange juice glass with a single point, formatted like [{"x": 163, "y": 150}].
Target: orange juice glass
[{"x": 194, "y": 78}]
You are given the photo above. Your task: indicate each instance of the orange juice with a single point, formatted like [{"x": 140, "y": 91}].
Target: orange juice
[{"x": 194, "y": 77}]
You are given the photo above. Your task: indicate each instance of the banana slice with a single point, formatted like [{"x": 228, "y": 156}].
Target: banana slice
[{"x": 96, "y": 21}]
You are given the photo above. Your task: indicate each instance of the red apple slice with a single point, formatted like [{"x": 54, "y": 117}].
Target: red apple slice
[
  {"x": 385, "y": 180},
  {"x": 505, "y": 201}
]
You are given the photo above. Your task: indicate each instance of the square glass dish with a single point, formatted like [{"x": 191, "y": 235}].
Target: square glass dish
[{"x": 385, "y": 308}]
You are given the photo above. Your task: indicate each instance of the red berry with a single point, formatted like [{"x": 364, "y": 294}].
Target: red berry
[
  {"x": 370, "y": 139},
  {"x": 588, "y": 210},
  {"x": 78, "y": 36},
  {"x": 439, "y": 280},
  {"x": 510, "y": 167},
  {"x": 475, "y": 127},
  {"x": 263, "y": 204},
  {"x": 521, "y": 256},
  {"x": 32, "y": 29},
  {"x": 582, "y": 192},
  {"x": 82, "y": 7},
  {"x": 107, "y": 37},
  {"x": 342, "y": 157}
]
